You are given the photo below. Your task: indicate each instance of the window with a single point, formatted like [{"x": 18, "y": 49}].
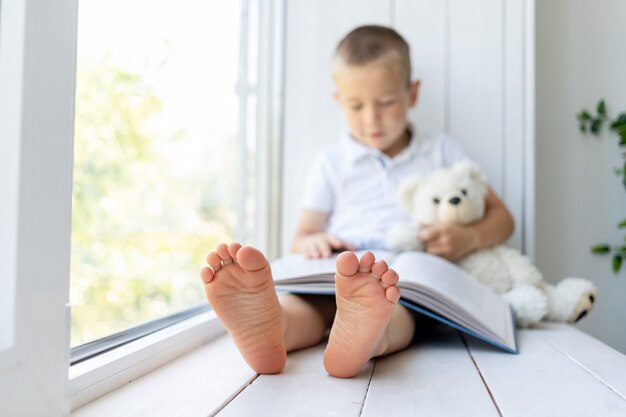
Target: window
[
  {"x": 163, "y": 155},
  {"x": 37, "y": 92}
]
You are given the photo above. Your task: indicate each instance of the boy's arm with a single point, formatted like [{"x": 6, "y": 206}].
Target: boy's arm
[
  {"x": 311, "y": 238},
  {"x": 455, "y": 241}
]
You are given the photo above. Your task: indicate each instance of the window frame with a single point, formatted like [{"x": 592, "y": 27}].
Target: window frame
[
  {"x": 37, "y": 78},
  {"x": 38, "y": 42},
  {"x": 103, "y": 373}
]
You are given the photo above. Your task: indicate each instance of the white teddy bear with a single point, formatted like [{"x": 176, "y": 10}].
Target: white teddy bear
[{"x": 457, "y": 195}]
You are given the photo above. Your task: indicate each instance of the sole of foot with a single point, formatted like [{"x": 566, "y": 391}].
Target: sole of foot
[
  {"x": 366, "y": 295},
  {"x": 239, "y": 286}
]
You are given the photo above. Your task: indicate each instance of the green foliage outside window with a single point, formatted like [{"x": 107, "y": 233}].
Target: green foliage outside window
[{"x": 138, "y": 237}]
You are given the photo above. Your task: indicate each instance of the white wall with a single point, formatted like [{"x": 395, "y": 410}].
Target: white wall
[
  {"x": 472, "y": 59},
  {"x": 581, "y": 57}
]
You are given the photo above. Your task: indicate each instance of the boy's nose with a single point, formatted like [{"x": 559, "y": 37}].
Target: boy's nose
[{"x": 371, "y": 116}]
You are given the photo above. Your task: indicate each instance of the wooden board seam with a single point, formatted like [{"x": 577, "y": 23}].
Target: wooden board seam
[
  {"x": 482, "y": 377},
  {"x": 233, "y": 396},
  {"x": 367, "y": 390},
  {"x": 589, "y": 371}
]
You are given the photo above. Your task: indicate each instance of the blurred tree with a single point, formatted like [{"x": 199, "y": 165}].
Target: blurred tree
[{"x": 139, "y": 232}]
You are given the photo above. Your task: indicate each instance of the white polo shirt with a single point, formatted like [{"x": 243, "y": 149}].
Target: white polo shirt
[{"x": 357, "y": 185}]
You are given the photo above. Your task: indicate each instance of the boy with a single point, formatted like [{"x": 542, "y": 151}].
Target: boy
[{"x": 349, "y": 204}]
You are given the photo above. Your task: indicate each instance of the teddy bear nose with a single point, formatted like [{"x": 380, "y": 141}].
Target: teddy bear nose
[{"x": 455, "y": 200}]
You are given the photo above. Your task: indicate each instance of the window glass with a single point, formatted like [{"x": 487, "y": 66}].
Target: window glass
[{"x": 157, "y": 164}]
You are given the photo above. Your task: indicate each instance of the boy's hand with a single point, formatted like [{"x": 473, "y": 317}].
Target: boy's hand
[
  {"x": 321, "y": 245},
  {"x": 450, "y": 241}
]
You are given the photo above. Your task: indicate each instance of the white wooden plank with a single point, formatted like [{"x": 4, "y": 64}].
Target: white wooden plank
[
  {"x": 302, "y": 389},
  {"x": 422, "y": 23},
  {"x": 602, "y": 361},
  {"x": 475, "y": 84},
  {"x": 435, "y": 377},
  {"x": 543, "y": 381},
  {"x": 312, "y": 118},
  {"x": 196, "y": 384}
]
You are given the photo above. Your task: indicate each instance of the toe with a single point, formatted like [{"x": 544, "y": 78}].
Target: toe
[
  {"x": 347, "y": 264},
  {"x": 206, "y": 274},
  {"x": 233, "y": 248},
  {"x": 251, "y": 259},
  {"x": 379, "y": 268},
  {"x": 367, "y": 260},
  {"x": 392, "y": 294},
  {"x": 222, "y": 251},
  {"x": 389, "y": 278},
  {"x": 214, "y": 261}
]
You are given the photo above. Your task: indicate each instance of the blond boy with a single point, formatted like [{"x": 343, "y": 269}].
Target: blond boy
[{"x": 349, "y": 204}]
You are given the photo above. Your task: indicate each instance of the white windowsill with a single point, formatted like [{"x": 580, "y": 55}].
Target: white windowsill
[
  {"x": 196, "y": 384},
  {"x": 109, "y": 371}
]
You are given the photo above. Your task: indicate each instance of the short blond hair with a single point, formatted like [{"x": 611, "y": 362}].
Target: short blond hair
[{"x": 369, "y": 43}]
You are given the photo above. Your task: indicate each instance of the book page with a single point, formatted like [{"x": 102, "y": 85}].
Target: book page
[
  {"x": 297, "y": 266},
  {"x": 447, "y": 279}
]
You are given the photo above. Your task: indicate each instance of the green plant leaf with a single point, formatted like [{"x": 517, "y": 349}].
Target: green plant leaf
[
  {"x": 596, "y": 124},
  {"x": 622, "y": 224},
  {"x": 601, "y": 248},
  {"x": 583, "y": 116},
  {"x": 617, "y": 263},
  {"x": 621, "y": 132},
  {"x": 602, "y": 109},
  {"x": 619, "y": 121}
]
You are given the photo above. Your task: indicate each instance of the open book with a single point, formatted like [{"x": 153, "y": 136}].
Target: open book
[{"x": 428, "y": 284}]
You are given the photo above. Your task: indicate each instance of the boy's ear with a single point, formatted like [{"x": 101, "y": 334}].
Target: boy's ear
[
  {"x": 407, "y": 191},
  {"x": 414, "y": 92}
]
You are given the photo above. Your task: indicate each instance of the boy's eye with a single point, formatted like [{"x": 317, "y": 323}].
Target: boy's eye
[
  {"x": 386, "y": 103},
  {"x": 464, "y": 191},
  {"x": 356, "y": 107},
  {"x": 436, "y": 200}
]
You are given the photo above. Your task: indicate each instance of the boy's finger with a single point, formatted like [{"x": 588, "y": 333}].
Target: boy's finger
[
  {"x": 318, "y": 249},
  {"x": 428, "y": 234},
  {"x": 309, "y": 251},
  {"x": 349, "y": 246},
  {"x": 324, "y": 249},
  {"x": 439, "y": 250},
  {"x": 334, "y": 242}
]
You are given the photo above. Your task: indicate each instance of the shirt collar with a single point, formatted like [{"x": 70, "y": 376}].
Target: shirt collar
[{"x": 355, "y": 150}]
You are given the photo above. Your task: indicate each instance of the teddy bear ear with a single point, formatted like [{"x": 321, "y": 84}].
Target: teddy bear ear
[
  {"x": 472, "y": 170},
  {"x": 407, "y": 191}
]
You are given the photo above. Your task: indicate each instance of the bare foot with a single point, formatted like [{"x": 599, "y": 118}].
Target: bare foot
[
  {"x": 366, "y": 296},
  {"x": 239, "y": 286}
]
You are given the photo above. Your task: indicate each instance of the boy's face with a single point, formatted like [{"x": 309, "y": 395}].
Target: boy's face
[{"x": 375, "y": 99}]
